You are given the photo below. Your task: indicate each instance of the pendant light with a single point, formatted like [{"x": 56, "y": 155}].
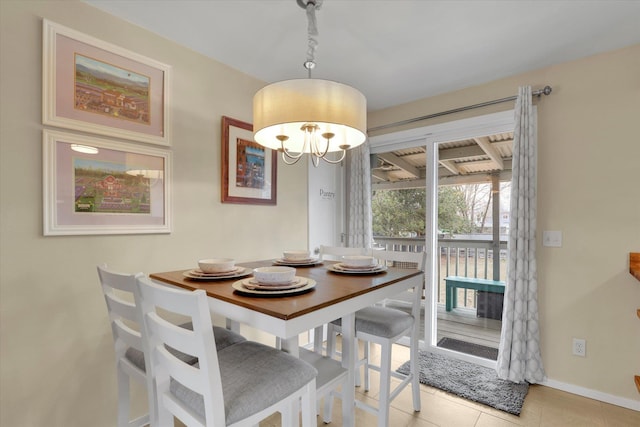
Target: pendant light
[{"x": 310, "y": 116}]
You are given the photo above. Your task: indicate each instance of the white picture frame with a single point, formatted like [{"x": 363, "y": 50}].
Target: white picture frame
[
  {"x": 119, "y": 188},
  {"x": 97, "y": 87}
]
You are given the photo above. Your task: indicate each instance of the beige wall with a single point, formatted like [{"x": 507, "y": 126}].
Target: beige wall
[
  {"x": 57, "y": 352},
  {"x": 57, "y": 367},
  {"x": 589, "y": 188}
]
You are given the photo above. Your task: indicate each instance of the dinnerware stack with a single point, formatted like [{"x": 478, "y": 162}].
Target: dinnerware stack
[
  {"x": 358, "y": 261},
  {"x": 296, "y": 258},
  {"x": 296, "y": 255},
  {"x": 274, "y": 275},
  {"x": 275, "y": 280},
  {"x": 217, "y": 265},
  {"x": 357, "y": 264},
  {"x": 216, "y": 269}
]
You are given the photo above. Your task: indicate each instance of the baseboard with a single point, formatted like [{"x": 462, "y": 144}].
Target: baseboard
[{"x": 593, "y": 394}]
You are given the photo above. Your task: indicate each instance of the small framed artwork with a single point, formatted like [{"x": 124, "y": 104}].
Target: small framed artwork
[
  {"x": 97, "y": 186},
  {"x": 249, "y": 170},
  {"x": 93, "y": 86}
]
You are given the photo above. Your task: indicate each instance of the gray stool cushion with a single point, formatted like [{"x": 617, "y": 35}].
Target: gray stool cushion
[
  {"x": 381, "y": 321},
  {"x": 224, "y": 338},
  {"x": 254, "y": 377}
]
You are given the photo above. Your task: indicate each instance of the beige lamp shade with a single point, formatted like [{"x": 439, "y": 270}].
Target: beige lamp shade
[{"x": 283, "y": 108}]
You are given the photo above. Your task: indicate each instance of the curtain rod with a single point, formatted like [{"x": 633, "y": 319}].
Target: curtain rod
[{"x": 545, "y": 91}]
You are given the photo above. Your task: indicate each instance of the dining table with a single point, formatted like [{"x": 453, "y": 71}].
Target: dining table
[{"x": 333, "y": 295}]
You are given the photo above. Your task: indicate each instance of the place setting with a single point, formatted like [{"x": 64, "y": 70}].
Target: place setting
[
  {"x": 217, "y": 269},
  {"x": 297, "y": 258},
  {"x": 275, "y": 281},
  {"x": 357, "y": 264}
]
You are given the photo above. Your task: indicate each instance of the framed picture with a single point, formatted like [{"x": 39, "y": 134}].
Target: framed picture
[
  {"x": 97, "y": 186},
  {"x": 93, "y": 86},
  {"x": 249, "y": 170}
]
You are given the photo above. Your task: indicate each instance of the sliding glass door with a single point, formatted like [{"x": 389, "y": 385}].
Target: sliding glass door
[
  {"x": 471, "y": 257},
  {"x": 444, "y": 189}
]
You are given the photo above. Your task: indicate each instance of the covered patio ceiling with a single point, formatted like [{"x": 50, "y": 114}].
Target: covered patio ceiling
[{"x": 469, "y": 161}]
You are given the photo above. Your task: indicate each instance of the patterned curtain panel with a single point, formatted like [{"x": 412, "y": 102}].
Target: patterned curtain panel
[
  {"x": 360, "y": 227},
  {"x": 519, "y": 356}
]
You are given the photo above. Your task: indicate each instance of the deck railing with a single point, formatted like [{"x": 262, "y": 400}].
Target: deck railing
[{"x": 458, "y": 257}]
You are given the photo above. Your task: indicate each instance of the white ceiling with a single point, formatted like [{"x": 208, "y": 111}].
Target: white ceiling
[{"x": 393, "y": 51}]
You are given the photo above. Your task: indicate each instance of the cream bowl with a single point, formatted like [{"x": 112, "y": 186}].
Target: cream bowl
[
  {"x": 275, "y": 274},
  {"x": 358, "y": 260},
  {"x": 296, "y": 255},
  {"x": 217, "y": 265}
]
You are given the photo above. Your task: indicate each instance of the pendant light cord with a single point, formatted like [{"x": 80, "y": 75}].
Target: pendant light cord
[{"x": 312, "y": 33}]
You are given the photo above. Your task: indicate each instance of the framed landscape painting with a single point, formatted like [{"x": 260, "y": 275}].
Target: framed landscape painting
[
  {"x": 97, "y": 87},
  {"x": 97, "y": 186},
  {"x": 249, "y": 170}
]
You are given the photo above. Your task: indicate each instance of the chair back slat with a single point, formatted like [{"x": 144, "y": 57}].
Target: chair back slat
[
  {"x": 119, "y": 307},
  {"x": 126, "y": 335},
  {"x": 123, "y": 315},
  {"x": 403, "y": 259},
  {"x": 185, "y": 374},
  {"x": 176, "y": 337},
  {"x": 124, "y": 318},
  {"x": 337, "y": 252},
  {"x": 407, "y": 260}
]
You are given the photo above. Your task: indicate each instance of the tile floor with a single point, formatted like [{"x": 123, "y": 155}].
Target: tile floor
[{"x": 543, "y": 407}]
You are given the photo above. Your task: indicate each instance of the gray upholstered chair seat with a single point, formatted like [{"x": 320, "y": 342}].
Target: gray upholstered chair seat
[
  {"x": 254, "y": 377},
  {"x": 381, "y": 321},
  {"x": 224, "y": 338}
]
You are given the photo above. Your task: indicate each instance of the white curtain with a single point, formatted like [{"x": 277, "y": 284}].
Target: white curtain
[
  {"x": 519, "y": 357},
  {"x": 359, "y": 197}
]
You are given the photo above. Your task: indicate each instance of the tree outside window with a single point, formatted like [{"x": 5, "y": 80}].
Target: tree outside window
[{"x": 462, "y": 209}]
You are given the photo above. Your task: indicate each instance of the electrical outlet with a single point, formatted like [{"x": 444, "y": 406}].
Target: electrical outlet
[{"x": 579, "y": 347}]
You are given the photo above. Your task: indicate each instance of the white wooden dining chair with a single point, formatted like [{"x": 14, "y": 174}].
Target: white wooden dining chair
[
  {"x": 118, "y": 294},
  {"x": 236, "y": 386},
  {"x": 385, "y": 326},
  {"x": 333, "y": 253},
  {"x": 118, "y": 289},
  {"x": 332, "y": 376}
]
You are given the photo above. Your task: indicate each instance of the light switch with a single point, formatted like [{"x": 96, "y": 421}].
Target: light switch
[{"x": 552, "y": 239}]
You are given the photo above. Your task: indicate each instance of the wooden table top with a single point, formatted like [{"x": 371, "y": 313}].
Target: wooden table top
[{"x": 331, "y": 288}]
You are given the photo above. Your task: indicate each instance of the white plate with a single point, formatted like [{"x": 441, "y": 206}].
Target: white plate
[
  {"x": 193, "y": 274},
  {"x": 336, "y": 268},
  {"x": 345, "y": 266},
  {"x": 297, "y": 263},
  {"x": 253, "y": 284},
  {"x": 199, "y": 272},
  {"x": 238, "y": 286}
]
